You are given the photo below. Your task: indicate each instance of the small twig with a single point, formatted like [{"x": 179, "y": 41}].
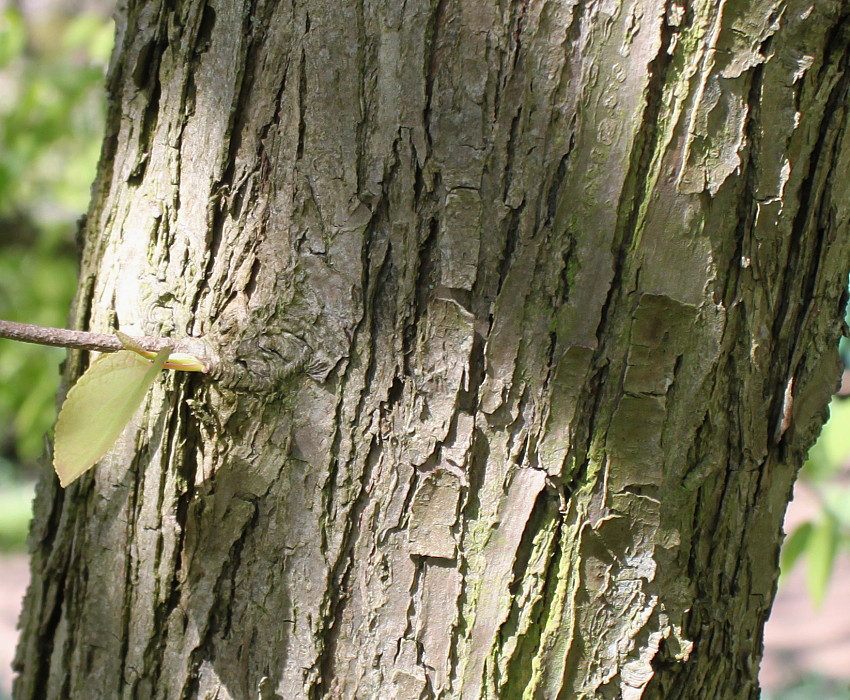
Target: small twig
[{"x": 83, "y": 340}]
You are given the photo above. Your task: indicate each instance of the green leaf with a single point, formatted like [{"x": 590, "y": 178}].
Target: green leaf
[
  {"x": 820, "y": 557},
  {"x": 835, "y": 435},
  {"x": 835, "y": 500},
  {"x": 98, "y": 407},
  {"x": 794, "y": 546},
  {"x": 832, "y": 448}
]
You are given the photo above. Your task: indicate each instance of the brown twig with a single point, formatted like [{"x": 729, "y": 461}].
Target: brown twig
[{"x": 83, "y": 340}]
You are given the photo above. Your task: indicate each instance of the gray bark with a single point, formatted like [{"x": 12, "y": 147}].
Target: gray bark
[{"x": 527, "y": 313}]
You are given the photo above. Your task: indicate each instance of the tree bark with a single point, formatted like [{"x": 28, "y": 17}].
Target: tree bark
[{"x": 526, "y": 315}]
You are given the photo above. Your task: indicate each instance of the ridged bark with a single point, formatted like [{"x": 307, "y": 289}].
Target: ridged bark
[{"x": 527, "y": 313}]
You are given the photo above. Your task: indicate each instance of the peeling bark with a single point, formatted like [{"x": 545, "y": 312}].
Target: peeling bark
[{"x": 527, "y": 312}]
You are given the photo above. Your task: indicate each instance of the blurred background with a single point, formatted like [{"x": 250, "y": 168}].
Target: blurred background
[{"x": 53, "y": 58}]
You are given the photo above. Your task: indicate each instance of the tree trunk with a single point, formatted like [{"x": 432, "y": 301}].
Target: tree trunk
[{"x": 526, "y": 314}]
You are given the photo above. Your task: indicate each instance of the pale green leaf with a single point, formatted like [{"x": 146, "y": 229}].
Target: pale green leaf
[
  {"x": 832, "y": 448},
  {"x": 98, "y": 407},
  {"x": 820, "y": 557},
  {"x": 794, "y": 546},
  {"x": 835, "y": 436}
]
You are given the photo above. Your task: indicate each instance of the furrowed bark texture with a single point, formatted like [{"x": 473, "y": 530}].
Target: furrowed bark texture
[{"x": 527, "y": 313}]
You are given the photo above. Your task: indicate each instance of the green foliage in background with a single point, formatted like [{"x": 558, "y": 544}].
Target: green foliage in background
[
  {"x": 821, "y": 539},
  {"x": 51, "y": 114},
  {"x": 51, "y": 126},
  {"x": 811, "y": 688},
  {"x": 15, "y": 510}
]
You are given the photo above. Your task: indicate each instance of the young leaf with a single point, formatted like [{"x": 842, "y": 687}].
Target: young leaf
[
  {"x": 98, "y": 407},
  {"x": 180, "y": 361},
  {"x": 820, "y": 555},
  {"x": 794, "y": 546}
]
